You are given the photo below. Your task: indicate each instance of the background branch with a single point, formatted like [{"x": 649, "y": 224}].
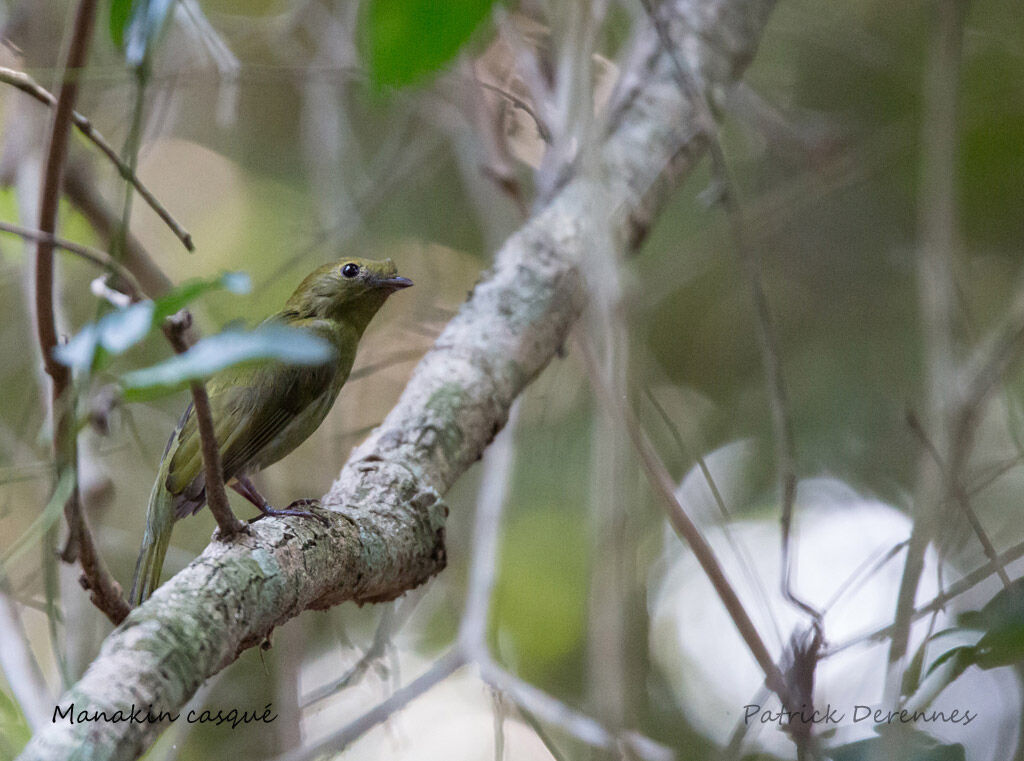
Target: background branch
[
  {"x": 104, "y": 591},
  {"x": 26, "y": 84}
]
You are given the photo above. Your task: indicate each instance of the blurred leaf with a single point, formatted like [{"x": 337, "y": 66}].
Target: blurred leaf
[
  {"x": 145, "y": 23},
  {"x": 404, "y": 40},
  {"x": 119, "y": 12},
  {"x": 912, "y": 676},
  {"x": 898, "y": 744},
  {"x": 210, "y": 355},
  {"x": 964, "y": 657},
  {"x": 118, "y": 331},
  {"x": 540, "y": 597},
  {"x": 1001, "y": 644},
  {"x": 1005, "y": 608},
  {"x": 190, "y": 290},
  {"x": 46, "y": 519},
  {"x": 14, "y": 730},
  {"x": 1002, "y": 620}
]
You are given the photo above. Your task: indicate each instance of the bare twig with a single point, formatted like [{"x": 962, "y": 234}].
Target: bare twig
[
  {"x": 490, "y": 505},
  {"x": 937, "y": 223},
  {"x": 90, "y": 254},
  {"x": 497, "y": 163},
  {"x": 105, "y": 593},
  {"x": 569, "y": 720},
  {"x": 968, "y": 582},
  {"x": 390, "y": 620},
  {"x": 27, "y": 85},
  {"x": 216, "y": 495},
  {"x": 768, "y": 342},
  {"x": 960, "y": 495},
  {"x": 542, "y": 129},
  {"x": 441, "y": 669},
  {"x": 80, "y": 189},
  {"x": 664, "y": 489}
]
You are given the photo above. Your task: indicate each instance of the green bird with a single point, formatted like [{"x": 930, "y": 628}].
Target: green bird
[{"x": 262, "y": 412}]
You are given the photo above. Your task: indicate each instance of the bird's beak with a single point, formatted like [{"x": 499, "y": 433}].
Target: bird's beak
[{"x": 395, "y": 283}]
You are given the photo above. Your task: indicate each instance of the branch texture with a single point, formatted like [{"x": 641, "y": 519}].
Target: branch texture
[{"x": 386, "y": 532}]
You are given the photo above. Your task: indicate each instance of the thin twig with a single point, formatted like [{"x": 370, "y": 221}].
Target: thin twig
[
  {"x": 522, "y": 105},
  {"x": 745, "y": 561},
  {"x": 938, "y": 602},
  {"x": 768, "y": 342},
  {"x": 216, "y": 496},
  {"x": 664, "y": 488},
  {"x": 441, "y": 669},
  {"x": 391, "y": 619},
  {"x": 26, "y": 84},
  {"x": 94, "y": 255},
  {"x": 960, "y": 496},
  {"x": 936, "y": 249},
  {"x": 80, "y": 189},
  {"x": 499, "y": 464},
  {"x": 105, "y": 593},
  {"x": 579, "y": 725}
]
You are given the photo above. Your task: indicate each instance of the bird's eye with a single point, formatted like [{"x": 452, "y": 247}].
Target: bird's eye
[{"x": 350, "y": 270}]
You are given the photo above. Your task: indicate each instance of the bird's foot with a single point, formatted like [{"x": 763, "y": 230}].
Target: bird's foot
[{"x": 266, "y": 510}]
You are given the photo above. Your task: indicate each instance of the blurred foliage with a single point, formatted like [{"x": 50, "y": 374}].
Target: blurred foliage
[
  {"x": 898, "y": 744},
  {"x": 121, "y": 329},
  {"x": 1001, "y": 623},
  {"x": 406, "y": 40},
  {"x": 14, "y": 731},
  {"x": 227, "y": 349},
  {"x": 136, "y": 25}
]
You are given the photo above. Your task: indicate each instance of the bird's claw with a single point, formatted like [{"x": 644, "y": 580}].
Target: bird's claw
[{"x": 291, "y": 510}]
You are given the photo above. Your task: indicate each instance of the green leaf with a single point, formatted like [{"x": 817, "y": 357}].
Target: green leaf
[
  {"x": 210, "y": 355},
  {"x": 190, "y": 290},
  {"x": 119, "y": 12},
  {"x": 1002, "y": 620},
  {"x": 14, "y": 730},
  {"x": 898, "y": 744},
  {"x": 963, "y": 655},
  {"x": 119, "y": 330},
  {"x": 46, "y": 519},
  {"x": 404, "y": 40}
]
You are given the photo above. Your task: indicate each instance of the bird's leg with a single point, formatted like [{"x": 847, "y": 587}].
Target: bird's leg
[{"x": 247, "y": 489}]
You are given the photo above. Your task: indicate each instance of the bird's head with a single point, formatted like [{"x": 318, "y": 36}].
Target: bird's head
[{"x": 350, "y": 289}]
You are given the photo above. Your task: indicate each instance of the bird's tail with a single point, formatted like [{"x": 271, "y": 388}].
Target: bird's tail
[{"x": 159, "y": 522}]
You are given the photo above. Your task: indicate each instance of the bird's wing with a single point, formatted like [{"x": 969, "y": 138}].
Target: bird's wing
[{"x": 250, "y": 406}]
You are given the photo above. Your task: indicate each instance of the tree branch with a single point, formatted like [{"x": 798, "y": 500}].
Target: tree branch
[
  {"x": 127, "y": 281},
  {"x": 386, "y": 533},
  {"x": 26, "y": 84},
  {"x": 175, "y": 329},
  {"x": 105, "y": 593}
]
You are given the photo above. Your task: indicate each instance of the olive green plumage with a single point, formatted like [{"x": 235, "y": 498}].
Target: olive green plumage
[{"x": 262, "y": 412}]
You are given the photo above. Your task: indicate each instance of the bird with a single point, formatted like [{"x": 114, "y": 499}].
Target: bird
[{"x": 262, "y": 412}]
